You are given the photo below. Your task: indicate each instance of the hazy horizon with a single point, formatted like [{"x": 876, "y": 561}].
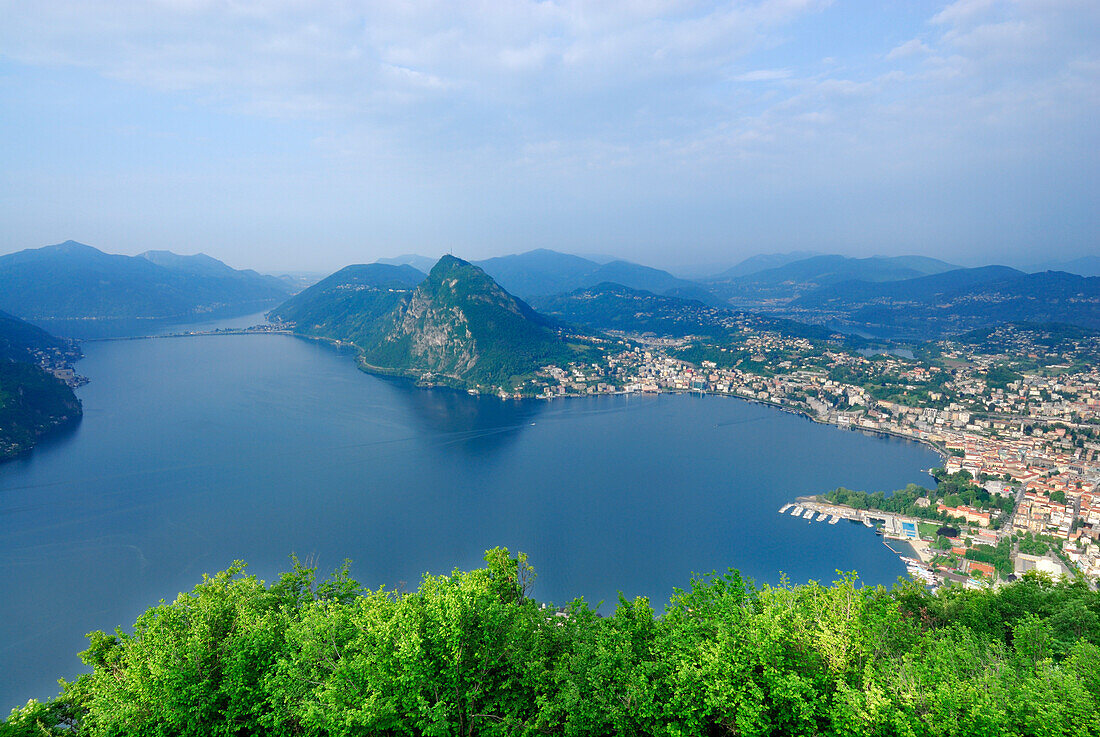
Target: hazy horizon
[
  {"x": 287, "y": 137},
  {"x": 682, "y": 269}
]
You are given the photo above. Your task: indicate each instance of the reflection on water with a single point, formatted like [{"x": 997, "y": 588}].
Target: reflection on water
[{"x": 472, "y": 424}]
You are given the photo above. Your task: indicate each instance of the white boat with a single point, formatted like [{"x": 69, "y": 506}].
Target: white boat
[
  {"x": 867, "y": 523},
  {"x": 797, "y": 511},
  {"x": 784, "y": 508},
  {"x": 821, "y": 516},
  {"x": 809, "y": 514},
  {"x": 834, "y": 519}
]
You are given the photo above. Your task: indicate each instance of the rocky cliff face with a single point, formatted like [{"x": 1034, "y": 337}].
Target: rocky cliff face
[
  {"x": 461, "y": 325},
  {"x": 439, "y": 337}
]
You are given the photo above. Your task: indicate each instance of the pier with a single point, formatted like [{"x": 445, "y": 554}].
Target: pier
[{"x": 890, "y": 526}]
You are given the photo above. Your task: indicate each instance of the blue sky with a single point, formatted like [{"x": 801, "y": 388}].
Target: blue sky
[{"x": 308, "y": 134}]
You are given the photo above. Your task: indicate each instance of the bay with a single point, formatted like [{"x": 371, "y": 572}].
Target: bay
[{"x": 195, "y": 452}]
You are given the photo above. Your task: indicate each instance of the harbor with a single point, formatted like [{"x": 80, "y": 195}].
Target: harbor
[{"x": 892, "y": 527}]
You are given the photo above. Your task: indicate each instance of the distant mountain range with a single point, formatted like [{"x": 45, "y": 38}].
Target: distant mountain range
[
  {"x": 1084, "y": 266},
  {"x": 912, "y": 297},
  {"x": 954, "y": 302},
  {"x": 764, "y": 261},
  {"x": 418, "y": 262},
  {"x": 781, "y": 284},
  {"x": 543, "y": 272},
  {"x": 613, "y": 307},
  {"x": 74, "y": 281},
  {"x": 454, "y": 326}
]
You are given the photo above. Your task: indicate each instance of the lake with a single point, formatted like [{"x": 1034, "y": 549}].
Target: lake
[{"x": 194, "y": 452}]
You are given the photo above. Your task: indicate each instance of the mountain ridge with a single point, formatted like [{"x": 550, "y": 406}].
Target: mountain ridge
[{"x": 72, "y": 280}]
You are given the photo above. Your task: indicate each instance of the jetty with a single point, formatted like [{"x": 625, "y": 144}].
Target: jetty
[{"x": 889, "y": 525}]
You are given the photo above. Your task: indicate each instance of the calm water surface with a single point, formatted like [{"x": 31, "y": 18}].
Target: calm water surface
[{"x": 194, "y": 452}]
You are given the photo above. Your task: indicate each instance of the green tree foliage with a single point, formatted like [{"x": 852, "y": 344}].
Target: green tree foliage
[{"x": 470, "y": 653}]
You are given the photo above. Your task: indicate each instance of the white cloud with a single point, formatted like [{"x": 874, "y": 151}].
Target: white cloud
[
  {"x": 651, "y": 97},
  {"x": 913, "y": 47},
  {"x": 764, "y": 75}
]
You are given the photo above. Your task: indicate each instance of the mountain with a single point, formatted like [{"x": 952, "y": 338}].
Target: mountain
[
  {"x": 200, "y": 264},
  {"x": 764, "y": 261},
  {"x": 544, "y": 272},
  {"x": 613, "y": 307},
  {"x": 349, "y": 304},
  {"x": 456, "y": 326},
  {"x": 779, "y": 285},
  {"x": 20, "y": 341},
  {"x": 74, "y": 281},
  {"x": 538, "y": 272},
  {"x": 418, "y": 262},
  {"x": 1084, "y": 266},
  {"x": 647, "y": 278},
  {"x": 32, "y": 400},
  {"x": 933, "y": 287},
  {"x": 460, "y": 325},
  {"x": 954, "y": 302}
]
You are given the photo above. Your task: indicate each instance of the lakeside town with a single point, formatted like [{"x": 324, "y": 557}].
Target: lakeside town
[{"x": 1016, "y": 416}]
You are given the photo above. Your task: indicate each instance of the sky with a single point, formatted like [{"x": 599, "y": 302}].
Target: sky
[{"x": 309, "y": 134}]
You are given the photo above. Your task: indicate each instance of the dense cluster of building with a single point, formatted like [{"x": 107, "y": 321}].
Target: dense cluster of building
[{"x": 1032, "y": 435}]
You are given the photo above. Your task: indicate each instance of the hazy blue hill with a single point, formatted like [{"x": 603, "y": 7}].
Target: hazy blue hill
[
  {"x": 773, "y": 288},
  {"x": 544, "y": 272},
  {"x": 761, "y": 262},
  {"x": 921, "y": 288},
  {"x": 459, "y": 326},
  {"x": 200, "y": 264},
  {"x": 32, "y": 400},
  {"x": 349, "y": 304},
  {"x": 821, "y": 270},
  {"x": 415, "y": 260},
  {"x": 1084, "y": 266},
  {"x": 956, "y": 302},
  {"x": 539, "y": 272},
  {"x": 75, "y": 281},
  {"x": 648, "y": 279},
  {"x": 610, "y": 306},
  {"x": 19, "y": 339}
]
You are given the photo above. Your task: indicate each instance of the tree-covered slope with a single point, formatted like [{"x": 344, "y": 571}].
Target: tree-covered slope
[
  {"x": 460, "y": 326},
  {"x": 19, "y": 340},
  {"x": 472, "y": 654},
  {"x": 74, "y": 281},
  {"x": 350, "y": 304},
  {"x": 611, "y": 306},
  {"x": 32, "y": 400},
  {"x": 32, "y": 403}
]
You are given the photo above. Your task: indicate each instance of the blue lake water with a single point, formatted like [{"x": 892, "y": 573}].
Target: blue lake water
[{"x": 197, "y": 451}]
